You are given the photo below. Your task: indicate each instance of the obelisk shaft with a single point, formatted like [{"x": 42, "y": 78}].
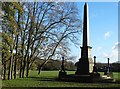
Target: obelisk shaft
[
  {"x": 84, "y": 52},
  {"x": 86, "y": 27},
  {"x": 83, "y": 64}
]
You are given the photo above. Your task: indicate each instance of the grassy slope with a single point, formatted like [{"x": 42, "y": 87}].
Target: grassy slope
[{"x": 46, "y": 79}]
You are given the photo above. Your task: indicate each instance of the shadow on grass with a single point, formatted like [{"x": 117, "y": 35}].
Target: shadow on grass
[
  {"x": 55, "y": 79},
  {"x": 44, "y": 79}
]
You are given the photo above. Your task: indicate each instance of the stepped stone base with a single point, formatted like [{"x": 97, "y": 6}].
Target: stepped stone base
[
  {"x": 76, "y": 78},
  {"x": 90, "y": 78}
]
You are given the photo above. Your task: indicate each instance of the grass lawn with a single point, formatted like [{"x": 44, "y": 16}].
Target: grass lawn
[{"x": 47, "y": 79}]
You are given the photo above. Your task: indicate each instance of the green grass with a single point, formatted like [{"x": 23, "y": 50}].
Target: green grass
[{"x": 46, "y": 79}]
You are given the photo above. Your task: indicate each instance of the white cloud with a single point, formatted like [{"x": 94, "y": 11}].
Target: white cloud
[
  {"x": 113, "y": 54},
  {"x": 107, "y": 35},
  {"x": 115, "y": 50},
  {"x": 116, "y": 46}
]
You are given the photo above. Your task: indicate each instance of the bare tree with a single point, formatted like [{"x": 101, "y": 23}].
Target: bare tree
[
  {"x": 40, "y": 31},
  {"x": 66, "y": 28}
]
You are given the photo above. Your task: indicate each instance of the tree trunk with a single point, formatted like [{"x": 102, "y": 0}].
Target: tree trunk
[
  {"x": 9, "y": 67},
  {"x": 20, "y": 75},
  {"x": 4, "y": 75},
  {"x": 39, "y": 69},
  {"x": 17, "y": 45},
  {"x": 27, "y": 67},
  {"x": 23, "y": 69},
  {"x": 16, "y": 58},
  {"x": 29, "y": 40},
  {"x": 15, "y": 68},
  {"x": 4, "y": 69},
  {"x": 10, "y": 64},
  {"x": 22, "y": 65}
]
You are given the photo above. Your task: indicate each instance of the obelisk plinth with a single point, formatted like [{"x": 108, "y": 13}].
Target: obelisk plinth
[{"x": 85, "y": 63}]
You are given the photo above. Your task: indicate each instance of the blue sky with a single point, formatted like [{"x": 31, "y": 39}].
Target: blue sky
[{"x": 103, "y": 28}]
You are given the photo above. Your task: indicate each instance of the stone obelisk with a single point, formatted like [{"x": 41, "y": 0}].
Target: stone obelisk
[{"x": 85, "y": 64}]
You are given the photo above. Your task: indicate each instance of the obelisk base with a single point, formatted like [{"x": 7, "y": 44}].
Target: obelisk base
[{"x": 82, "y": 67}]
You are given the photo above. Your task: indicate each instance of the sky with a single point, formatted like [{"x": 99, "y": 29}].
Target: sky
[{"x": 103, "y": 28}]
